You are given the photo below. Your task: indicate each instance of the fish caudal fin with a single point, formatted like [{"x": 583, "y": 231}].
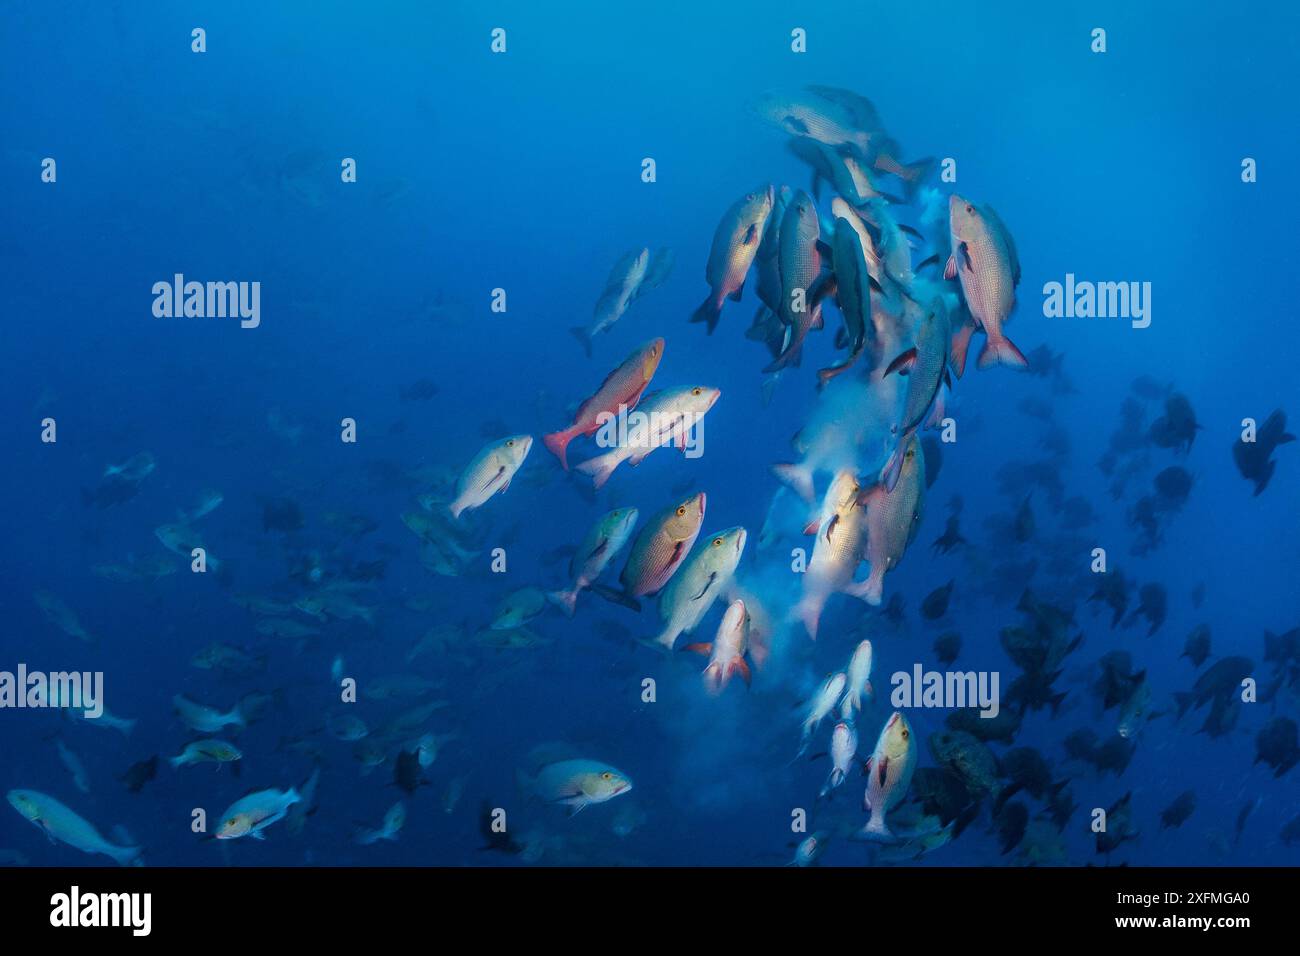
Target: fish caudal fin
[
  {"x": 579, "y": 333},
  {"x": 709, "y": 312},
  {"x": 809, "y": 611},
  {"x": 558, "y": 443},
  {"x": 1001, "y": 351},
  {"x": 124, "y": 855},
  {"x": 798, "y": 477},
  {"x": 566, "y": 601},
  {"x": 872, "y": 590},
  {"x": 876, "y": 830},
  {"x": 600, "y": 468}
]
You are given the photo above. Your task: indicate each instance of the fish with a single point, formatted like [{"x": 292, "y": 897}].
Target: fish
[
  {"x": 926, "y": 366},
  {"x": 735, "y": 244},
  {"x": 839, "y": 549},
  {"x": 139, "y": 773},
  {"x": 889, "y": 772},
  {"x": 727, "y": 652},
  {"x": 984, "y": 261},
  {"x": 935, "y": 604},
  {"x": 209, "y": 501},
  {"x": 1255, "y": 459},
  {"x": 801, "y": 266},
  {"x": 1176, "y": 814},
  {"x": 393, "y": 822},
  {"x": 821, "y": 114},
  {"x": 844, "y": 751},
  {"x": 853, "y": 293},
  {"x": 603, "y": 542},
  {"x": 823, "y": 702},
  {"x": 809, "y": 850},
  {"x": 183, "y": 540},
  {"x": 620, "y": 289},
  {"x": 661, "y": 546},
  {"x": 892, "y": 520},
  {"x": 252, "y": 813},
  {"x": 135, "y": 469},
  {"x": 61, "y": 616},
  {"x": 1197, "y": 647},
  {"x": 298, "y": 813},
  {"x": 859, "y": 678},
  {"x": 657, "y": 272},
  {"x": 617, "y": 394},
  {"x": 199, "y": 751},
  {"x": 704, "y": 575},
  {"x": 73, "y": 763},
  {"x": 518, "y": 607},
  {"x": 63, "y": 825},
  {"x": 577, "y": 783},
  {"x": 205, "y": 719},
  {"x": 489, "y": 473},
  {"x": 667, "y": 416}
]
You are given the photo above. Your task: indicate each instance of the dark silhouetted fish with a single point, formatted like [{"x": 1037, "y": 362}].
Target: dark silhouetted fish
[
  {"x": 138, "y": 774},
  {"x": 947, "y": 646},
  {"x": 935, "y": 604},
  {"x": 1176, "y": 814},
  {"x": 281, "y": 514},
  {"x": 1255, "y": 459},
  {"x": 1197, "y": 646},
  {"x": 1276, "y": 745}
]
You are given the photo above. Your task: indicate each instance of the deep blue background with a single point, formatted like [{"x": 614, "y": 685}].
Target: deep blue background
[{"x": 522, "y": 171}]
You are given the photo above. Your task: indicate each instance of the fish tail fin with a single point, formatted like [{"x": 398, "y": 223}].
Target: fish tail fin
[
  {"x": 872, "y": 590},
  {"x": 579, "y": 333},
  {"x": 125, "y": 855},
  {"x": 1000, "y": 350},
  {"x": 600, "y": 468},
  {"x": 913, "y": 174},
  {"x": 615, "y": 596},
  {"x": 558, "y": 443},
  {"x": 798, "y": 477},
  {"x": 666, "y": 638},
  {"x": 809, "y": 611},
  {"x": 709, "y": 312},
  {"x": 876, "y": 830},
  {"x": 741, "y": 666},
  {"x": 715, "y": 678},
  {"x": 566, "y": 601}
]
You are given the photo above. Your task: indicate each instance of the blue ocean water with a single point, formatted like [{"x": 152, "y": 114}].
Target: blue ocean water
[{"x": 522, "y": 171}]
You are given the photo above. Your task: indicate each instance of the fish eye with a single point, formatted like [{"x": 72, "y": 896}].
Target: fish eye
[
  {"x": 510, "y": 443},
  {"x": 606, "y": 776},
  {"x": 717, "y": 542},
  {"x": 696, "y": 390},
  {"x": 681, "y": 510},
  {"x": 970, "y": 208}
]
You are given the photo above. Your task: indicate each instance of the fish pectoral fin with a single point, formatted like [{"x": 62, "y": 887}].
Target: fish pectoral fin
[
  {"x": 699, "y": 648},
  {"x": 903, "y": 364},
  {"x": 258, "y": 835},
  {"x": 950, "y": 268}
]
